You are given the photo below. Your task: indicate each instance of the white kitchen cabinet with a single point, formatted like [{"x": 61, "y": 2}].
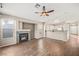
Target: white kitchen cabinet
[{"x": 58, "y": 35}]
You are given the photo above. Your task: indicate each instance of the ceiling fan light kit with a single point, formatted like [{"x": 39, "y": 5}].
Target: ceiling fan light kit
[{"x": 44, "y": 14}]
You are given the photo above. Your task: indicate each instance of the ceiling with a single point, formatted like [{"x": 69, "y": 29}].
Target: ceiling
[{"x": 64, "y": 12}]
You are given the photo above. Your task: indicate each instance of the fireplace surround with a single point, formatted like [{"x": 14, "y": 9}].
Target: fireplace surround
[{"x": 22, "y": 36}]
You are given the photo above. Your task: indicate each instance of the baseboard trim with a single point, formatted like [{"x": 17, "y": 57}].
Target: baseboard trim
[
  {"x": 8, "y": 45},
  {"x": 51, "y": 39}
]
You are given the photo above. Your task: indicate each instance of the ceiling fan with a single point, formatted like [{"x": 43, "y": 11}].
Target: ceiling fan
[{"x": 44, "y": 12}]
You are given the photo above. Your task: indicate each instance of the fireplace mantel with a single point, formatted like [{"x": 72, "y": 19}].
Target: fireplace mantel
[{"x": 28, "y": 30}]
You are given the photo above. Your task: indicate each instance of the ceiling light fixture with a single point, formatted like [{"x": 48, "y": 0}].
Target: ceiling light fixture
[{"x": 37, "y": 5}]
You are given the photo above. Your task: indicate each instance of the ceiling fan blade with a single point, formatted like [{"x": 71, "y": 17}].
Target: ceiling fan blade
[
  {"x": 37, "y": 12},
  {"x": 50, "y": 11}
]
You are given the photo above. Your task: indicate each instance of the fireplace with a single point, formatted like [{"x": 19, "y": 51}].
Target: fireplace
[{"x": 23, "y": 37}]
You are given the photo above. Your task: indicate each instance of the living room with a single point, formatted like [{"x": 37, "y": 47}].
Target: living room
[{"x": 39, "y": 27}]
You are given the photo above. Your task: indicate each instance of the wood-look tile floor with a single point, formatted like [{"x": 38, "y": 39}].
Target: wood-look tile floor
[{"x": 42, "y": 47}]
